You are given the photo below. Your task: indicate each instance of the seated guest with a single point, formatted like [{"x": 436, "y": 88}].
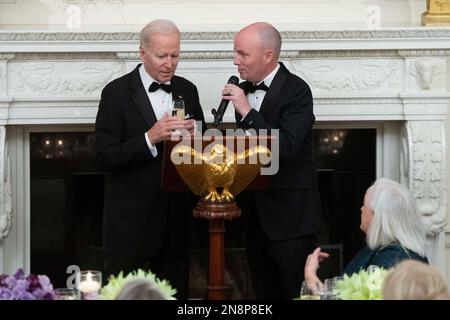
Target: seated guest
[
  {"x": 140, "y": 289},
  {"x": 414, "y": 280},
  {"x": 393, "y": 228}
]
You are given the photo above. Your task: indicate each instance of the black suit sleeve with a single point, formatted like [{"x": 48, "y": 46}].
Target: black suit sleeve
[
  {"x": 198, "y": 112},
  {"x": 294, "y": 121},
  {"x": 114, "y": 151}
]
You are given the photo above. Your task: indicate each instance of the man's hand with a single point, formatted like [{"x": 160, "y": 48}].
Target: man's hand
[
  {"x": 312, "y": 264},
  {"x": 189, "y": 125},
  {"x": 237, "y": 96},
  {"x": 163, "y": 128}
]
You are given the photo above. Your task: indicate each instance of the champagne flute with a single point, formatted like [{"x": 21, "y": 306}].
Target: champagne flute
[{"x": 178, "y": 109}]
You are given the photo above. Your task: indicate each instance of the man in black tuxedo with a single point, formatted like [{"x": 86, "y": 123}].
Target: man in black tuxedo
[
  {"x": 282, "y": 220},
  {"x": 144, "y": 227}
]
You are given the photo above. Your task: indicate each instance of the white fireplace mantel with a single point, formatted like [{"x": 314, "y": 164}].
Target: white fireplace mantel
[{"x": 357, "y": 76}]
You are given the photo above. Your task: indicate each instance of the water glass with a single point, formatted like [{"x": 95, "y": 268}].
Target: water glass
[
  {"x": 310, "y": 290},
  {"x": 66, "y": 294},
  {"x": 328, "y": 290}
]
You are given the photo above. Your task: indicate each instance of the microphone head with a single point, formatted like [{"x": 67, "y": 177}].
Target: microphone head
[{"x": 233, "y": 80}]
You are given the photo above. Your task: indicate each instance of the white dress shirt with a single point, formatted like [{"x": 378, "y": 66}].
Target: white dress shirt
[
  {"x": 256, "y": 98},
  {"x": 160, "y": 100}
]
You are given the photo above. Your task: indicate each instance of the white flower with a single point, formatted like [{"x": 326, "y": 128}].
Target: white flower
[{"x": 364, "y": 285}]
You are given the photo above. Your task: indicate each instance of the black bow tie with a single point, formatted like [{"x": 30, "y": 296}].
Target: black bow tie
[
  {"x": 250, "y": 87},
  {"x": 155, "y": 86}
]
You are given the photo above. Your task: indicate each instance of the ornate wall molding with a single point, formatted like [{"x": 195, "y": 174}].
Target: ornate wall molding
[
  {"x": 337, "y": 76},
  {"x": 48, "y": 78},
  {"x": 6, "y": 56},
  {"x": 297, "y": 54},
  {"x": 369, "y": 34},
  {"x": 424, "y": 53},
  {"x": 427, "y": 180},
  {"x": 227, "y": 55},
  {"x": 419, "y": 33},
  {"x": 333, "y": 100},
  {"x": 285, "y": 54},
  {"x": 68, "y": 56},
  {"x": 133, "y": 56},
  {"x": 5, "y": 187},
  {"x": 427, "y": 74},
  {"x": 2, "y": 78},
  {"x": 320, "y": 54}
]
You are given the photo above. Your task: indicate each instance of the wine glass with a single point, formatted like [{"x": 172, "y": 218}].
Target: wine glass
[{"x": 178, "y": 109}]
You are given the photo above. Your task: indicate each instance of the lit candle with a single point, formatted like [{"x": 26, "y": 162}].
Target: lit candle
[{"x": 90, "y": 284}]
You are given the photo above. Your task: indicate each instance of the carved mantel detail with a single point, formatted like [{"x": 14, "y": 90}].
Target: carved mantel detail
[
  {"x": 49, "y": 78},
  {"x": 428, "y": 172},
  {"x": 411, "y": 33},
  {"x": 4, "y": 58},
  {"x": 5, "y": 187}
]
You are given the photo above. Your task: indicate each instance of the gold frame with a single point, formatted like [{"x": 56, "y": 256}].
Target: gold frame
[{"x": 437, "y": 14}]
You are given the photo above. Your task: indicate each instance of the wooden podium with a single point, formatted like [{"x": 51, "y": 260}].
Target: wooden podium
[{"x": 214, "y": 211}]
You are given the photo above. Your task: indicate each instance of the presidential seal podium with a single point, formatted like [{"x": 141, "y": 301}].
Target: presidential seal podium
[{"x": 216, "y": 169}]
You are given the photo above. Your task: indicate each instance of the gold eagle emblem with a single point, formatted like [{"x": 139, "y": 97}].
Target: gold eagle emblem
[{"x": 217, "y": 168}]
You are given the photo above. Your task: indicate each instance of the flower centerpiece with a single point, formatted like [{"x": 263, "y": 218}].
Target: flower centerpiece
[
  {"x": 364, "y": 285},
  {"x": 21, "y": 287},
  {"x": 116, "y": 284}
]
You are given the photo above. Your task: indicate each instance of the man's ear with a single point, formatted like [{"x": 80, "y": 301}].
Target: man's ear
[
  {"x": 269, "y": 56},
  {"x": 141, "y": 51}
]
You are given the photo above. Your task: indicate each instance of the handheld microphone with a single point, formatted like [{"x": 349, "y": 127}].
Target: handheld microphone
[{"x": 218, "y": 115}]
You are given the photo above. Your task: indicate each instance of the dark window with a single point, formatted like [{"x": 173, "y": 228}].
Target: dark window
[
  {"x": 346, "y": 162},
  {"x": 66, "y": 204}
]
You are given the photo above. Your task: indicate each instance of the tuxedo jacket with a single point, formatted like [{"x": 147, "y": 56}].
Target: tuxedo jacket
[
  {"x": 291, "y": 206},
  {"x": 134, "y": 217}
]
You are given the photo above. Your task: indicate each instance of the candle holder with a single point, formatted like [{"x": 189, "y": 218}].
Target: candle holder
[{"x": 89, "y": 283}]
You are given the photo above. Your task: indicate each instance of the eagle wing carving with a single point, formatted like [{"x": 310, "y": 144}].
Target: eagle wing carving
[
  {"x": 190, "y": 166},
  {"x": 220, "y": 168},
  {"x": 248, "y": 164}
]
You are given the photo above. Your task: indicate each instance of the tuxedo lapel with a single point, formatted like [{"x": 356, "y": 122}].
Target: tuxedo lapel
[
  {"x": 177, "y": 89},
  {"x": 272, "y": 96},
  {"x": 181, "y": 92},
  {"x": 140, "y": 98}
]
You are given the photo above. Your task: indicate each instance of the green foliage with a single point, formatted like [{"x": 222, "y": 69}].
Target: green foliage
[
  {"x": 115, "y": 284},
  {"x": 364, "y": 285}
]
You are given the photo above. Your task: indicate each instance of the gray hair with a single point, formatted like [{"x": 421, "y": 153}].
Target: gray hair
[
  {"x": 396, "y": 217},
  {"x": 157, "y": 26},
  {"x": 140, "y": 289}
]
